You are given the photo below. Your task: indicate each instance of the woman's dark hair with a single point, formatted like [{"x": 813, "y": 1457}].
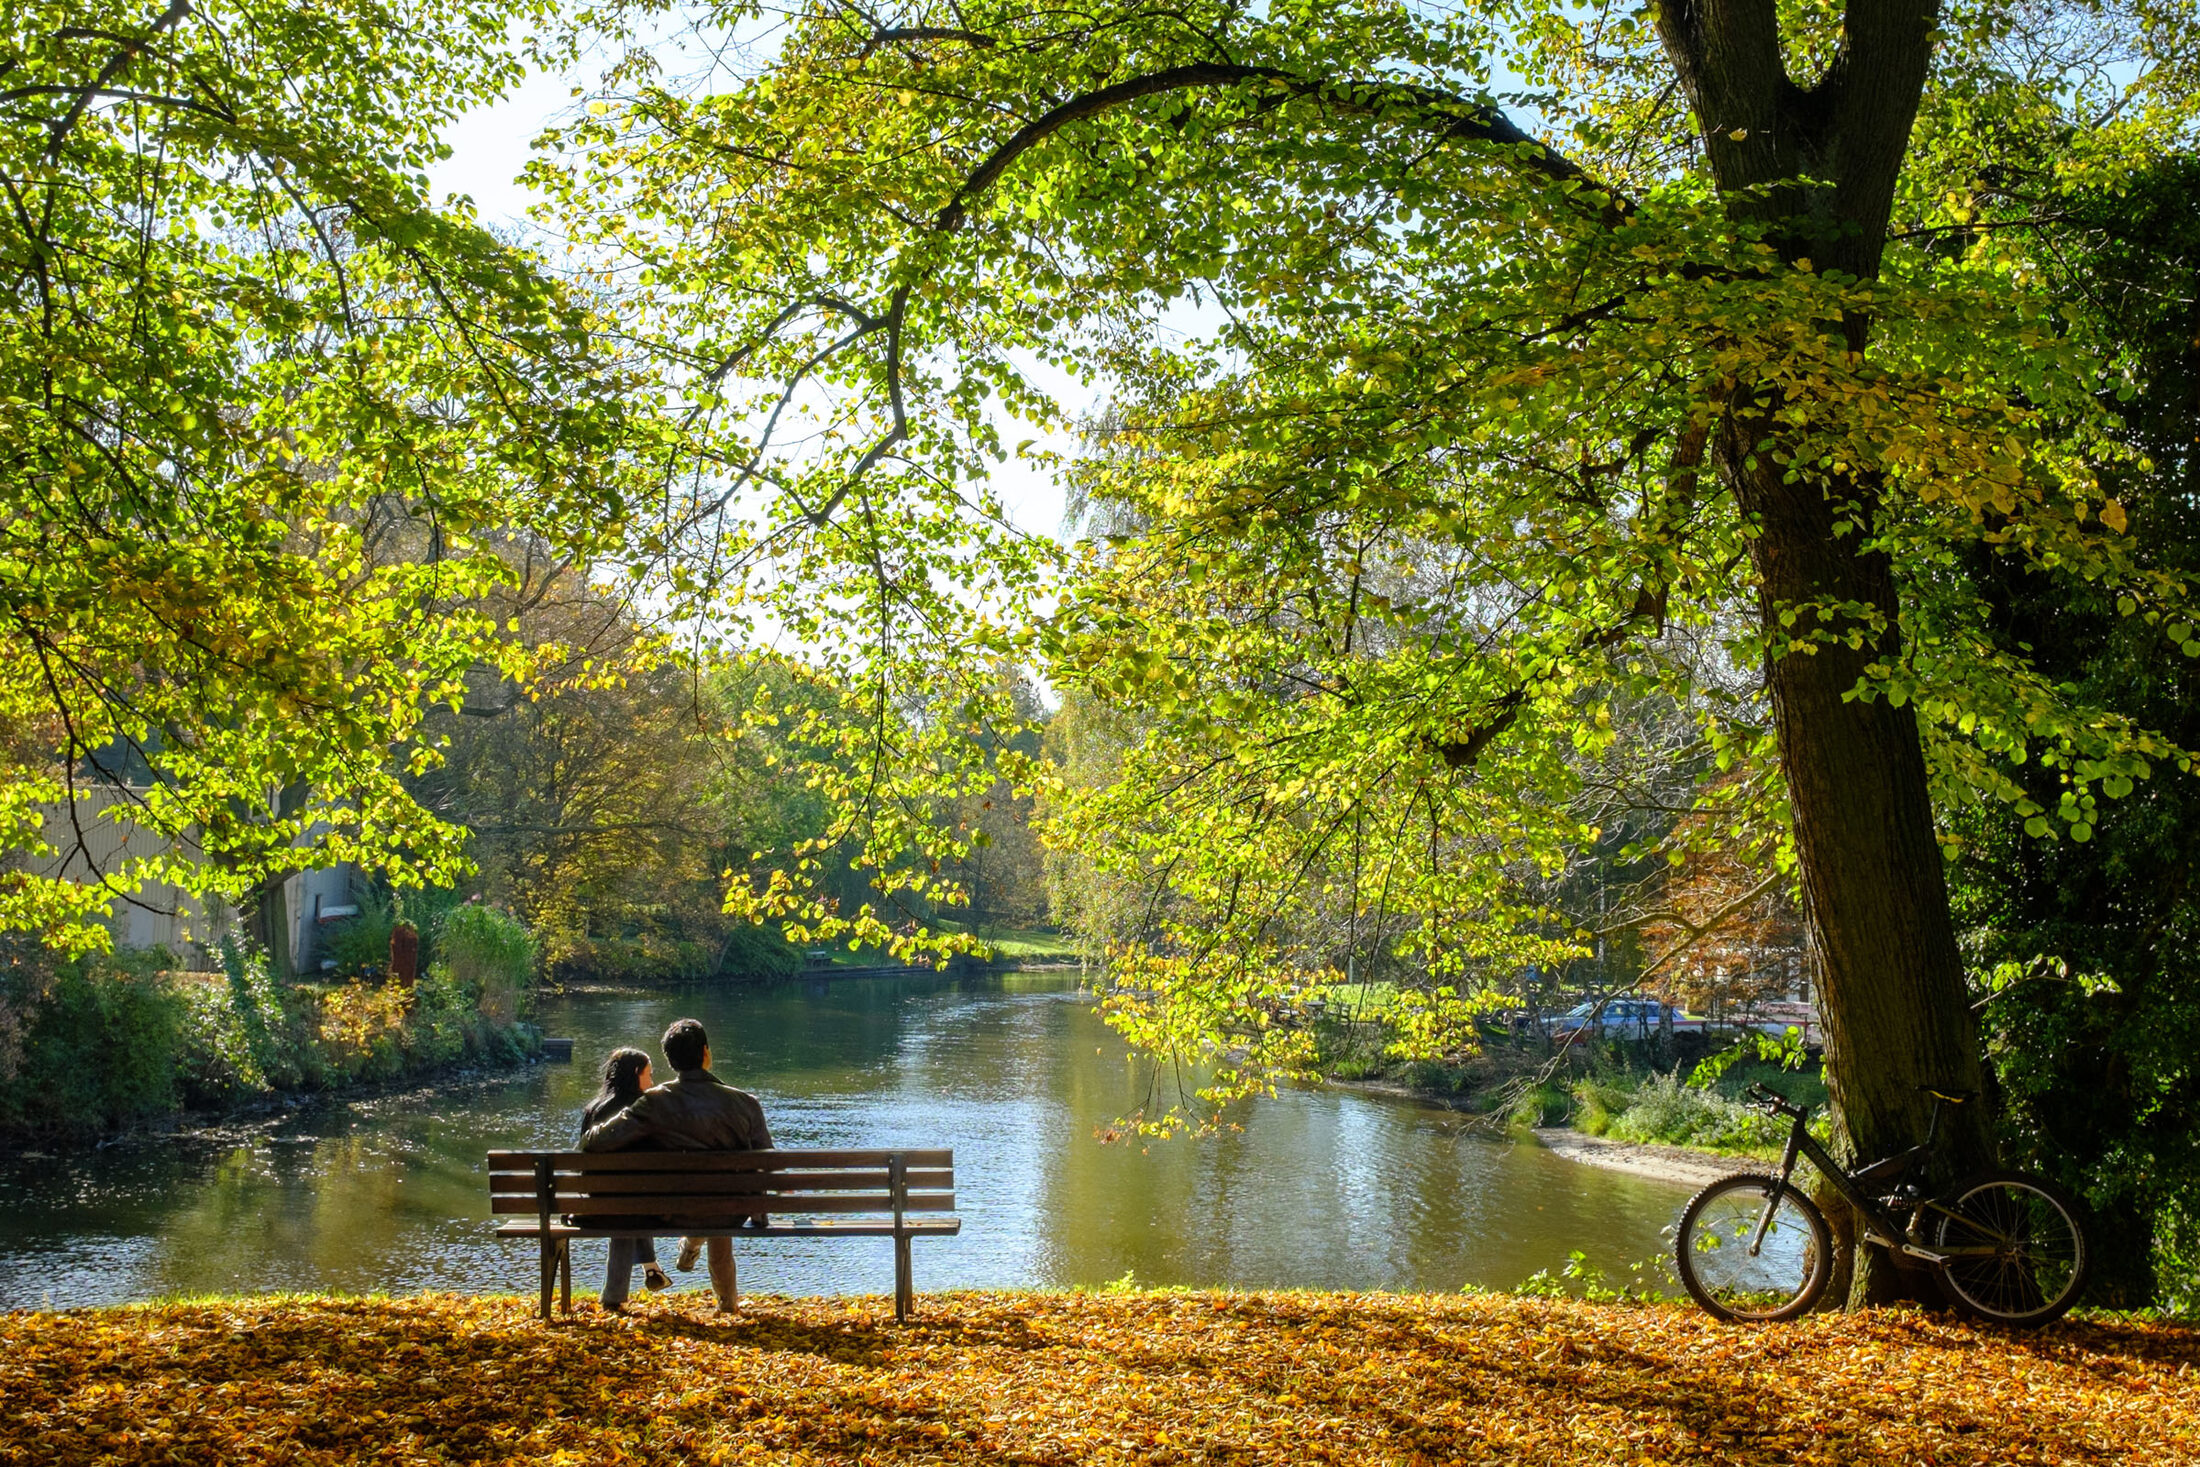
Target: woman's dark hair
[{"x": 622, "y": 1077}]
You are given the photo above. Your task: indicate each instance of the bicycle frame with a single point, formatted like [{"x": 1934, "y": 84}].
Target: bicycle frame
[{"x": 1880, "y": 1225}]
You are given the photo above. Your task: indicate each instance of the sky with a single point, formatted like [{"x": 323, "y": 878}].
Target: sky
[{"x": 489, "y": 147}]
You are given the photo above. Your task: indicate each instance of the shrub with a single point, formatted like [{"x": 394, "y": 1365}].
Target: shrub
[
  {"x": 487, "y": 956},
  {"x": 1545, "y": 1104},
  {"x": 445, "y": 1020},
  {"x": 361, "y": 1033},
  {"x": 1662, "y": 1109},
  {"x": 96, "y": 1046},
  {"x": 1598, "y": 1103},
  {"x": 759, "y": 952},
  {"x": 360, "y": 945},
  {"x": 2177, "y": 1260}
]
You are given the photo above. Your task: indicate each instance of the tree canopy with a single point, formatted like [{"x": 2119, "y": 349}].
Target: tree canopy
[
  {"x": 265, "y": 410},
  {"x": 1469, "y": 370}
]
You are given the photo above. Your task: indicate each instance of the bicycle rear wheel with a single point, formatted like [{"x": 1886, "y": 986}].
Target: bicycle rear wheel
[
  {"x": 2028, "y": 1255},
  {"x": 1785, "y": 1274}
]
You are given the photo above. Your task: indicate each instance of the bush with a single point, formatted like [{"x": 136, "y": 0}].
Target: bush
[
  {"x": 1598, "y": 1103},
  {"x": 1662, "y": 1109},
  {"x": 360, "y": 946},
  {"x": 2177, "y": 1259},
  {"x": 487, "y": 956},
  {"x": 91, "y": 1046},
  {"x": 759, "y": 952},
  {"x": 361, "y": 1033},
  {"x": 1545, "y": 1104},
  {"x": 96, "y": 1046}
]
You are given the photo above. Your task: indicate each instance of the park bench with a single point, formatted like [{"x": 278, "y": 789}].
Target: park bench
[{"x": 702, "y": 1194}]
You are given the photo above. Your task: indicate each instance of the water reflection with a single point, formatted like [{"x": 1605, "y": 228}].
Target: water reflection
[{"x": 1321, "y": 1189}]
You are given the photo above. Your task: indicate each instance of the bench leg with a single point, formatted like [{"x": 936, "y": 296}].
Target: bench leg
[
  {"x": 565, "y": 1274},
  {"x": 905, "y": 1288},
  {"x": 549, "y": 1271}
]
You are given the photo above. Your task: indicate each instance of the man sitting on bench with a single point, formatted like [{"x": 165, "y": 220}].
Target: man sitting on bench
[{"x": 694, "y": 1111}]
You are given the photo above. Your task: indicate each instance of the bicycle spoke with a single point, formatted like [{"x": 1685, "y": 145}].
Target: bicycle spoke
[
  {"x": 2020, "y": 1256},
  {"x": 1719, "y": 1268}
]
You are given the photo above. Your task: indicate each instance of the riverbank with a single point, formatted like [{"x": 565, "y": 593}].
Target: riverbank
[
  {"x": 1688, "y": 1166},
  {"x": 1079, "y": 1378},
  {"x": 1642, "y": 1159},
  {"x": 241, "y": 1121},
  {"x": 97, "y": 1049}
]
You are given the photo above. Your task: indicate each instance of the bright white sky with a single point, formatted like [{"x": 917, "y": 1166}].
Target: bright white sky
[{"x": 489, "y": 147}]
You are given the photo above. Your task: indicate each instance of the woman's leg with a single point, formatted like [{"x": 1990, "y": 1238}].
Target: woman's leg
[{"x": 618, "y": 1273}]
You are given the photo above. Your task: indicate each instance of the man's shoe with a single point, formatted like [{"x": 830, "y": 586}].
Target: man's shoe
[
  {"x": 690, "y": 1250},
  {"x": 653, "y": 1278}
]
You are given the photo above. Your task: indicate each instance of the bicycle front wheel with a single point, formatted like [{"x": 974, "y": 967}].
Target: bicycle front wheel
[
  {"x": 2019, "y": 1252},
  {"x": 1738, "y": 1275}
]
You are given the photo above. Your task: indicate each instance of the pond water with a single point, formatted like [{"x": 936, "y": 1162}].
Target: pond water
[{"x": 1321, "y": 1188}]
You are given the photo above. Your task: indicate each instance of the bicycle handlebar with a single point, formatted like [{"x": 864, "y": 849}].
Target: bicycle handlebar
[{"x": 1773, "y": 1101}]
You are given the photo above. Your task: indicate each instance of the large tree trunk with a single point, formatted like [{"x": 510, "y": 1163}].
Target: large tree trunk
[
  {"x": 1892, "y": 996},
  {"x": 267, "y": 924},
  {"x": 265, "y": 914}
]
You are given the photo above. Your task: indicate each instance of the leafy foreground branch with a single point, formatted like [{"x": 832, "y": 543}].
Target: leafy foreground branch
[{"x": 1043, "y": 1378}]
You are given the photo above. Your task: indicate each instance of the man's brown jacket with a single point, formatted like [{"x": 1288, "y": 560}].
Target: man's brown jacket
[{"x": 696, "y": 1112}]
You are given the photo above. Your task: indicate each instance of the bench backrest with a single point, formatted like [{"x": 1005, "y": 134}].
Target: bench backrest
[{"x": 719, "y": 1186}]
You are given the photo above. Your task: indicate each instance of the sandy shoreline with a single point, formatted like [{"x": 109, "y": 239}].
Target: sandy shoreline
[
  {"x": 1676, "y": 1164},
  {"x": 1666, "y": 1163}
]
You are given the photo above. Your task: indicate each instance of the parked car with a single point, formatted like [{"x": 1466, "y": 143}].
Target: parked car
[{"x": 1622, "y": 1018}]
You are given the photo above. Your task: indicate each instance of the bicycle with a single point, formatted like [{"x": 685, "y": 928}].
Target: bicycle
[{"x": 2003, "y": 1245}]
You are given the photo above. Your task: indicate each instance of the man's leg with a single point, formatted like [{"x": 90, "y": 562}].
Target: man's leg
[
  {"x": 618, "y": 1273},
  {"x": 721, "y": 1273}
]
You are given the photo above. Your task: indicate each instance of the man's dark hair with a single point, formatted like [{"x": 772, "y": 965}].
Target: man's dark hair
[{"x": 685, "y": 1042}]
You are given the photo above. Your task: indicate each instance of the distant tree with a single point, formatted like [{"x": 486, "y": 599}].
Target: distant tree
[
  {"x": 1003, "y": 878},
  {"x": 581, "y": 790},
  {"x": 1718, "y": 919}
]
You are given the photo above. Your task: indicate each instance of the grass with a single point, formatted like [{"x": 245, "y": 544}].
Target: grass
[
  {"x": 1021, "y": 944},
  {"x": 1115, "y": 1376},
  {"x": 1009, "y": 944},
  {"x": 1029, "y": 944}
]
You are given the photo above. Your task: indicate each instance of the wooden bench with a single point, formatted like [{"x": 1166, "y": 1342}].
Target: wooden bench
[{"x": 705, "y": 1194}]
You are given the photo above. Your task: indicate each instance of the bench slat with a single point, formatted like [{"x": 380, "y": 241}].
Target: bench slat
[
  {"x": 689, "y": 1204},
  {"x": 523, "y": 1183},
  {"x": 922, "y": 1227},
  {"x": 713, "y": 1161}
]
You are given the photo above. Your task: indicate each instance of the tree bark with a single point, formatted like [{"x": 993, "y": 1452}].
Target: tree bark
[
  {"x": 1891, "y": 997},
  {"x": 266, "y": 918},
  {"x": 267, "y": 923}
]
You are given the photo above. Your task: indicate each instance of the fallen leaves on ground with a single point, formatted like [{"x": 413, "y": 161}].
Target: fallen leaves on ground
[{"x": 1079, "y": 1378}]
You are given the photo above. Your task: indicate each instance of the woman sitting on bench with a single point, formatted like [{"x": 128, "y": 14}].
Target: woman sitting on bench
[{"x": 625, "y": 1076}]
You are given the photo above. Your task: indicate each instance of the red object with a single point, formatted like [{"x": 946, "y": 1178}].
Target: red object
[{"x": 405, "y": 953}]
